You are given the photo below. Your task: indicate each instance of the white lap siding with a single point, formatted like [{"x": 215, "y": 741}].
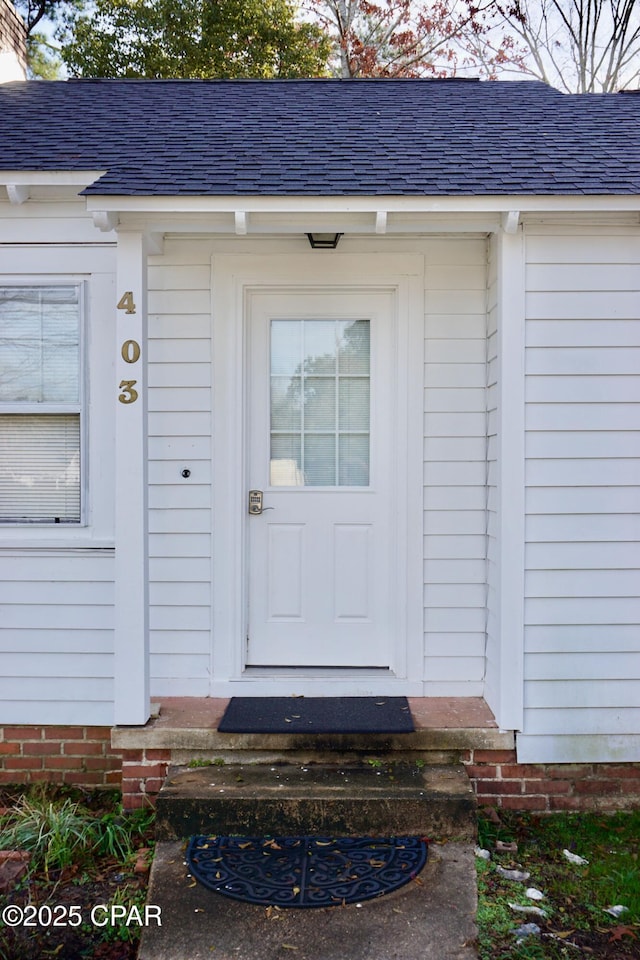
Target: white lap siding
[
  {"x": 455, "y": 451},
  {"x": 179, "y": 440},
  {"x": 582, "y": 611},
  {"x": 56, "y": 642}
]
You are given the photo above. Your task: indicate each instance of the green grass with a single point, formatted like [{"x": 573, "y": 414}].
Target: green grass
[
  {"x": 59, "y": 832},
  {"x": 576, "y": 897}
]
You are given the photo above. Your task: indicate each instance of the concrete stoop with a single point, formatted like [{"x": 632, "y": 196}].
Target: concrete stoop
[
  {"x": 402, "y": 798},
  {"x": 431, "y": 918}
]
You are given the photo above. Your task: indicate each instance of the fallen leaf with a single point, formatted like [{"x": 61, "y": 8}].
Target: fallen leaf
[
  {"x": 296, "y": 891},
  {"x": 288, "y": 946},
  {"x": 621, "y": 931}
]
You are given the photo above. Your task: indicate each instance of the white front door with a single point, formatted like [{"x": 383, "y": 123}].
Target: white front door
[{"x": 321, "y": 412}]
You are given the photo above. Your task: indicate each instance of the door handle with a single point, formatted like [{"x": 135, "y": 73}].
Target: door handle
[{"x": 255, "y": 503}]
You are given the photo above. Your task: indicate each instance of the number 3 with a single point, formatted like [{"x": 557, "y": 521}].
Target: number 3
[{"x": 128, "y": 395}]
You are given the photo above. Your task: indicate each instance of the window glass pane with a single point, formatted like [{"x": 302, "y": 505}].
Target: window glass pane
[
  {"x": 319, "y": 403},
  {"x": 354, "y": 403},
  {"x": 286, "y": 347},
  {"x": 354, "y": 460},
  {"x": 354, "y": 347},
  {"x": 286, "y": 461},
  {"x": 286, "y": 410},
  {"x": 319, "y": 460},
  {"x": 40, "y": 468},
  {"x": 39, "y": 344},
  {"x": 318, "y": 398},
  {"x": 319, "y": 347}
]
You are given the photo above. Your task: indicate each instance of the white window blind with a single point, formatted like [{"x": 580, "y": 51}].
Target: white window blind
[
  {"x": 40, "y": 468},
  {"x": 40, "y": 404}
]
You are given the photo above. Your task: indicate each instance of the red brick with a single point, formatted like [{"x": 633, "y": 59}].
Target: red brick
[
  {"x": 63, "y": 763},
  {"x": 99, "y": 733},
  {"x": 24, "y": 763},
  {"x": 487, "y": 801},
  {"x": 83, "y": 749},
  {"x": 114, "y": 777},
  {"x": 102, "y": 763},
  {"x": 524, "y": 803},
  {"x": 568, "y": 771},
  {"x": 565, "y": 803},
  {"x": 510, "y": 787},
  {"x": 10, "y": 776},
  {"x": 482, "y": 772},
  {"x": 132, "y": 756},
  {"x": 23, "y": 733},
  {"x": 153, "y": 786},
  {"x": 547, "y": 786},
  {"x": 597, "y": 787},
  {"x": 157, "y": 754},
  {"x": 10, "y": 748},
  {"x": 627, "y": 772},
  {"x": 132, "y": 771},
  {"x": 39, "y": 776},
  {"x": 64, "y": 733},
  {"x": 82, "y": 778},
  {"x": 522, "y": 771},
  {"x": 41, "y": 748},
  {"x": 494, "y": 756}
]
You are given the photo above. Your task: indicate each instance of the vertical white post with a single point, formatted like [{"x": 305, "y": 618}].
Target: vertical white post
[
  {"x": 132, "y": 704},
  {"x": 511, "y": 475}
]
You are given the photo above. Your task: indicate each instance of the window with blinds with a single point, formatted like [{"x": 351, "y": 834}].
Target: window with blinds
[{"x": 40, "y": 404}]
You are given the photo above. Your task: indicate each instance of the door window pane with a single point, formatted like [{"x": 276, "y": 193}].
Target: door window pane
[{"x": 320, "y": 402}]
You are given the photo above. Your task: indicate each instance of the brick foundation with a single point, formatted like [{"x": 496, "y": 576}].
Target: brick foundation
[
  {"x": 500, "y": 781},
  {"x": 83, "y": 756},
  {"x": 79, "y": 756}
]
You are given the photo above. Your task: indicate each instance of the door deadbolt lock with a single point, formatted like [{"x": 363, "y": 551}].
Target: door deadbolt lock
[{"x": 255, "y": 503}]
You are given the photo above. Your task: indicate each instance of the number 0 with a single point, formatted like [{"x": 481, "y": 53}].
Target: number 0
[{"x": 130, "y": 351}]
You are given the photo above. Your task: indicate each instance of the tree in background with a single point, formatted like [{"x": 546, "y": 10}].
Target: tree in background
[
  {"x": 403, "y": 38},
  {"x": 193, "y": 38},
  {"x": 173, "y": 39},
  {"x": 578, "y": 46},
  {"x": 43, "y": 55}
]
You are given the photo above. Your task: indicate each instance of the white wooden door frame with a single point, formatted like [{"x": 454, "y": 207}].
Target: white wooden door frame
[{"x": 232, "y": 276}]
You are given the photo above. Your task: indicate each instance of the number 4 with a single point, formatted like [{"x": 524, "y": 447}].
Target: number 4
[{"x": 126, "y": 302}]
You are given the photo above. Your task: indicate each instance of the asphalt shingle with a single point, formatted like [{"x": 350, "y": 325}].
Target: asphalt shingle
[{"x": 324, "y": 137}]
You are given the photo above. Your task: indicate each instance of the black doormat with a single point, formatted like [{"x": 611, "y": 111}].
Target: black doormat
[
  {"x": 317, "y": 715},
  {"x": 305, "y": 871}
]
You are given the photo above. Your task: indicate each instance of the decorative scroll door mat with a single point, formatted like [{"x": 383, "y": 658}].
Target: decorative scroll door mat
[{"x": 305, "y": 871}]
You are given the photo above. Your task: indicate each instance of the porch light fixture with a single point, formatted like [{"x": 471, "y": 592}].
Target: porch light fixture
[{"x": 324, "y": 241}]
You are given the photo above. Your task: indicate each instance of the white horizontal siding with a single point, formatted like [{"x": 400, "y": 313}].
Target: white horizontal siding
[
  {"x": 455, "y": 449},
  {"x": 582, "y": 613},
  {"x": 56, "y": 642},
  {"x": 179, "y": 426}
]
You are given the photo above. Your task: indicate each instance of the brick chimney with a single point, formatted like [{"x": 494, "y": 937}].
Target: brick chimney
[{"x": 13, "y": 44}]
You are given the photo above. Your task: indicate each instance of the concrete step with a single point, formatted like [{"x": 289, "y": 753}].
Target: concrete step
[{"x": 389, "y": 799}]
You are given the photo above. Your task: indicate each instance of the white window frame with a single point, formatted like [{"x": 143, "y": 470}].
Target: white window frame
[{"x": 43, "y": 409}]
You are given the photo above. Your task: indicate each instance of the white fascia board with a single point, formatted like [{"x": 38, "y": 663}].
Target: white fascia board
[
  {"x": 372, "y": 204},
  {"x": 50, "y": 178}
]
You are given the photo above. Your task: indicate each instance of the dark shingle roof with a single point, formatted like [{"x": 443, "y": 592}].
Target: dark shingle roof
[{"x": 324, "y": 137}]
